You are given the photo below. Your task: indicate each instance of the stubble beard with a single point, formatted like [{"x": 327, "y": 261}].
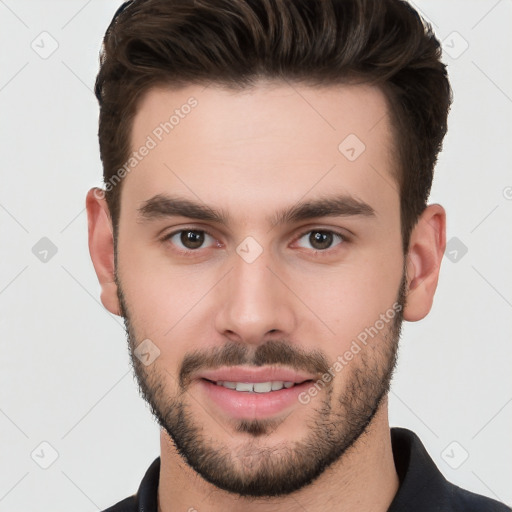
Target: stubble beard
[{"x": 253, "y": 468}]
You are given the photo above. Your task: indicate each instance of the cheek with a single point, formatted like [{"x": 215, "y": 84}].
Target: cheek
[
  {"x": 159, "y": 293},
  {"x": 348, "y": 300},
  {"x": 167, "y": 305}
]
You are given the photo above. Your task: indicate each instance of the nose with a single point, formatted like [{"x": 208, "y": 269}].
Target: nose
[{"x": 255, "y": 302}]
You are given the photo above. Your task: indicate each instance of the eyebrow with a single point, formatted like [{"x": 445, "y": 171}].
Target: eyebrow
[{"x": 164, "y": 206}]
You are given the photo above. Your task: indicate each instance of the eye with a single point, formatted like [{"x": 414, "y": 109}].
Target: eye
[
  {"x": 188, "y": 240},
  {"x": 321, "y": 239}
]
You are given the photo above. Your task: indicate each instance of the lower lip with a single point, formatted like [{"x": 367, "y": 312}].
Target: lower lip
[{"x": 247, "y": 405}]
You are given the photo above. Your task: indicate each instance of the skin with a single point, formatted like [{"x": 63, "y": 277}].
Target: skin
[{"x": 251, "y": 154}]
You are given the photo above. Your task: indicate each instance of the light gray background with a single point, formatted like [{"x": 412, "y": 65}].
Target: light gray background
[{"x": 65, "y": 377}]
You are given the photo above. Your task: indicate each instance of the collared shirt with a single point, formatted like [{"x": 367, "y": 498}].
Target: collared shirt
[{"x": 422, "y": 486}]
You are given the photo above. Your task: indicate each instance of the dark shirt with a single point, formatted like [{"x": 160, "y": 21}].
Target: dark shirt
[{"x": 422, "y": 486}]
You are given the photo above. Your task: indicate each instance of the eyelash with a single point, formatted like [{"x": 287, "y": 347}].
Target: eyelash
[{"x": 189, "y": 252}]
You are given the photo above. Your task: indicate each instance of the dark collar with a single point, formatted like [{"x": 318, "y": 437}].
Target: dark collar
[
  {"x": 422, "y": 486},
  {"x": 421, "y": 483}
]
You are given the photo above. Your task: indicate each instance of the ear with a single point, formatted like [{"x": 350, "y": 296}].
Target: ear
[
  {"x": 426, "y": 249},
  {"x": 101, "y": 247}
]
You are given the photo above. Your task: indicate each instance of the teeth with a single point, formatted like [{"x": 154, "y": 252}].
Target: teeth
[
  {"x": 244, "y": 386},
  {"x": 256, "y": 387},
  {"x": 262, "y": 387}
]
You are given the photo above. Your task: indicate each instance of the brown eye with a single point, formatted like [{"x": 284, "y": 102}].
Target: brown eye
[
  {"x": 321, "y": 240},
  {"x": 192, "y": 239},
  {"x": 187, "y": 240}
]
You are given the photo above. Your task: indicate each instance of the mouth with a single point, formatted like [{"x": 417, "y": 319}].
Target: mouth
[{"x": 253, "y": 393}]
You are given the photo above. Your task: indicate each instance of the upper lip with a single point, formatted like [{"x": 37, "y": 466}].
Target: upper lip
[{"x": 257, "y": 374}]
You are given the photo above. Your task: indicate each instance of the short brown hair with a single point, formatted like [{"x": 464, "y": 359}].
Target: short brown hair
[{"x": 317, "y": 42}]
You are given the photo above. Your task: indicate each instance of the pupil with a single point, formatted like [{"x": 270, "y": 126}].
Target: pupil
[
  {"x": 192, "y": 239},
  {"x": 321, "y": 239}
]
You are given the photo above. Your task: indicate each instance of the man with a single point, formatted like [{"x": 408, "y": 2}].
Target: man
[{"x": 264, "y": 231}]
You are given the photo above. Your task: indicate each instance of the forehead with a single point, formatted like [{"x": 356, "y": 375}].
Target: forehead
[{"x": 260, "y": 145}]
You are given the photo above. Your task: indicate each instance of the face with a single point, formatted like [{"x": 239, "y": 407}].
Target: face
[{"x": 259, "y": 263}]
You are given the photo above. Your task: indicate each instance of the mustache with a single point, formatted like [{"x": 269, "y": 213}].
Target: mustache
[{"x": 269, "y": 353}]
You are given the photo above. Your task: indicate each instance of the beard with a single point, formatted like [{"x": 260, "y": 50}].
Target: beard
[{"x": 251, "y": 469}]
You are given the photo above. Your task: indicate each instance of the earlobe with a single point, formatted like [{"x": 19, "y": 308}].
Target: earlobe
[
  {"x": 101, "y": 247},
  {"x": 426, "y": 249}
]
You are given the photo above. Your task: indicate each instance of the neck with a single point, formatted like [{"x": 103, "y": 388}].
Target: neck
[{"x": 363, "y": 479}]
